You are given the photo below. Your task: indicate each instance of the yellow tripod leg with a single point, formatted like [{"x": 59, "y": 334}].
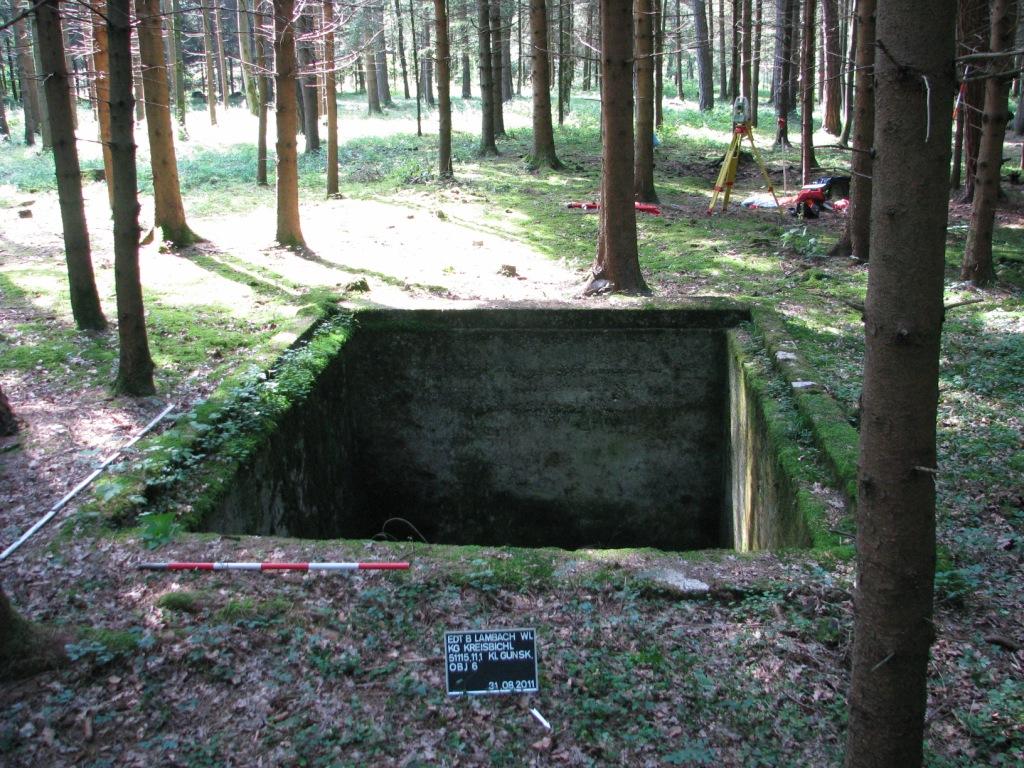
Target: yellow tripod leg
[
  {"x": 764, "y": 170},
  {"x": 730, "y": 179},
  {"x": 724, "y": 180}
]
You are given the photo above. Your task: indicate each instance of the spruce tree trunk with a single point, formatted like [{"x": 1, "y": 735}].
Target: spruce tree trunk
[
  {"x": 746, "y": 26},
  {"x": 330, "y": 86},
  {"x": 643, "y": 141},
  {"x": 851, "y": 73},
  {"x": 373, "y": 105},
  {"x": 444, "y": 99},
  {"x": 973, "y": 35},
  {"x": 169, "y": 210},
  {"x": 85, "y": 301},
  {"x": 263, "y": 56},
  {"x": 543, "y": 132},
  {"x": 859, "y": 215},
  {"x": 487, "y": 145},
  {"x": 37, "y": 86},
  {"x": 27, "y": 77},
  {"x": 25, "y": 648},
  {"x": 617, "y": 265},
  {"x": 383, "y": 84},
  {"x": 135, "y": 366},
  {"x": 977, "y": 264},
  {"x": 958, "y": 152},
  {"x": 467, "y": 90},
  {"x": 496, "y": 68},
  {"x": 783, "y": 63},
  {"x": 222, "y": 61},
  {"x": 245, "y": 50},
  {"x": 180, "y": 103},
  {"x": 101, "y": 68},
  {"x": 401, "y": 50},
  {"x": 893, "y": 627},
  {"x": 8, "y": 421},
  {"x": 211, "y": 88},
  {"x": 428, "y": 67},
  {"x": 833, "y": 67},
  {"x": 808, "y": 163},
  {"x": 289, "y": 231},
  {"x": 723, "y": 89},
  {"x": 659, "y": 65},
  {"x": 507, "y": 86},
  {"x": 705, "y": 75},
  {"x": 5, "y": 129},
  {"x": 307, "y": 81}
]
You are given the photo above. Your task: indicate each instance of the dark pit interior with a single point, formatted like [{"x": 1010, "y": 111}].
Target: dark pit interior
[{"x": 569, "y": 428}]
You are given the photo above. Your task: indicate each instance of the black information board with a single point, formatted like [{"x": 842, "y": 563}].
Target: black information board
[{"x": 491, "y": 661}]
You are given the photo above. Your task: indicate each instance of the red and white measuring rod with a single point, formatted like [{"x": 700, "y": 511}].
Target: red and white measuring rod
[{"x": 274, "y": 566}]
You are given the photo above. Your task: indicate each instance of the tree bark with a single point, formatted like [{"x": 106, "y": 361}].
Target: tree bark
[
  {"x": 245, "y": 53},
  {"x": 330, "y": 86},
  {"x": 755, "y": 75},
  {"x": 851, "y": 73},
  {"x": 222, "y": 67},
  {"x": 487, "y": 145},
  {"x": 427, "y": 62},
  {"x": 973, "y": 35},
  {"x": 8, "y": 422},
  {"x": 858, "y": 221},
  {"x": 723, "y": 90},
  {"x": 734, "y": 61},
  {"x": 705, "y": 75},
  {"x": 507, "y": 84},
  {"x": 467, "y": 90},
  {"x": 27, "y": 76},
  {"x": 617, "y": 265},
  {"x": 26, "y": 648},
  {"x": 307, "y": 81},
  {"x": 496, "y": 67},
  {"x": 135, "y": 366},
  {"x": 383, "y": 85},
  {"x": 833, "y": 67},
  {"x": 783, "y": 63},
  {"x": 643, "y": 144},
  {"x": 893, "y": 627},
  {"x": 370, "y": 69},
  {"x": 169, "y": 211},
  {"x": 180, "y": 103},
  {"x": 85, "y": 300},
  {"x": 659, "y": 68},
  {"x": 808, "y": 163},
  {"x": 263, "y": 27},
  {"x": 977, "y": 264},
  {"x": 401, "y": 49},
  {"x": 37, "y": 85},
  {"x": 543, "y": 132},
  {"x": 444, "y": 99},
  {"x": 746, "y": 27},
  {"x": 211, "y": 88},
  {"x": 289, "y": 231}
]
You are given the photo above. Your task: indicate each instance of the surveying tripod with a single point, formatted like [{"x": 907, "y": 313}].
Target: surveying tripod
[{"x": 727, "y": 176}]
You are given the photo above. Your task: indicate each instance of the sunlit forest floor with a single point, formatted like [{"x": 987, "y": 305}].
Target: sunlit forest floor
[{"x": 288, "y": 670}]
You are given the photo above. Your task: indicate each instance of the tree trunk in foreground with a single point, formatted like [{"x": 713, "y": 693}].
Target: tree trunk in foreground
[
  {"x": 289, "y": 233},
  {"x": 977, "y": 265},
  {"x": 487, "y": 145},
  {"x": 444, "y": 98},
  {"x": 543, "y": 131},
  {"x": 101, "y": 68},
  {"x": 893, "y": 628},
  {"x": 25, "y": 648},
  {"x": 617, "y": 266},
  {"x": 643, "y": 141},
  {"x": 307, "y": 82},
  {"x": 8, "y": 422},
  {"x": 135, "y": 366},
  {"x": 169, "y": 212},
  {"x": 85, "y": 300}
]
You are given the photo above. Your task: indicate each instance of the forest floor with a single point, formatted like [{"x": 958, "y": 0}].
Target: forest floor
[{"x": 291, "y": 669}]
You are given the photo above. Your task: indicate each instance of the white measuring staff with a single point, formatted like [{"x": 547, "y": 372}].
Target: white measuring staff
[{"x": 75, "y": 491}]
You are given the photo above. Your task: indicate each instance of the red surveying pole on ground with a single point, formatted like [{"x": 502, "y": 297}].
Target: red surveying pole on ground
[{"x": 274, "y": 566}]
